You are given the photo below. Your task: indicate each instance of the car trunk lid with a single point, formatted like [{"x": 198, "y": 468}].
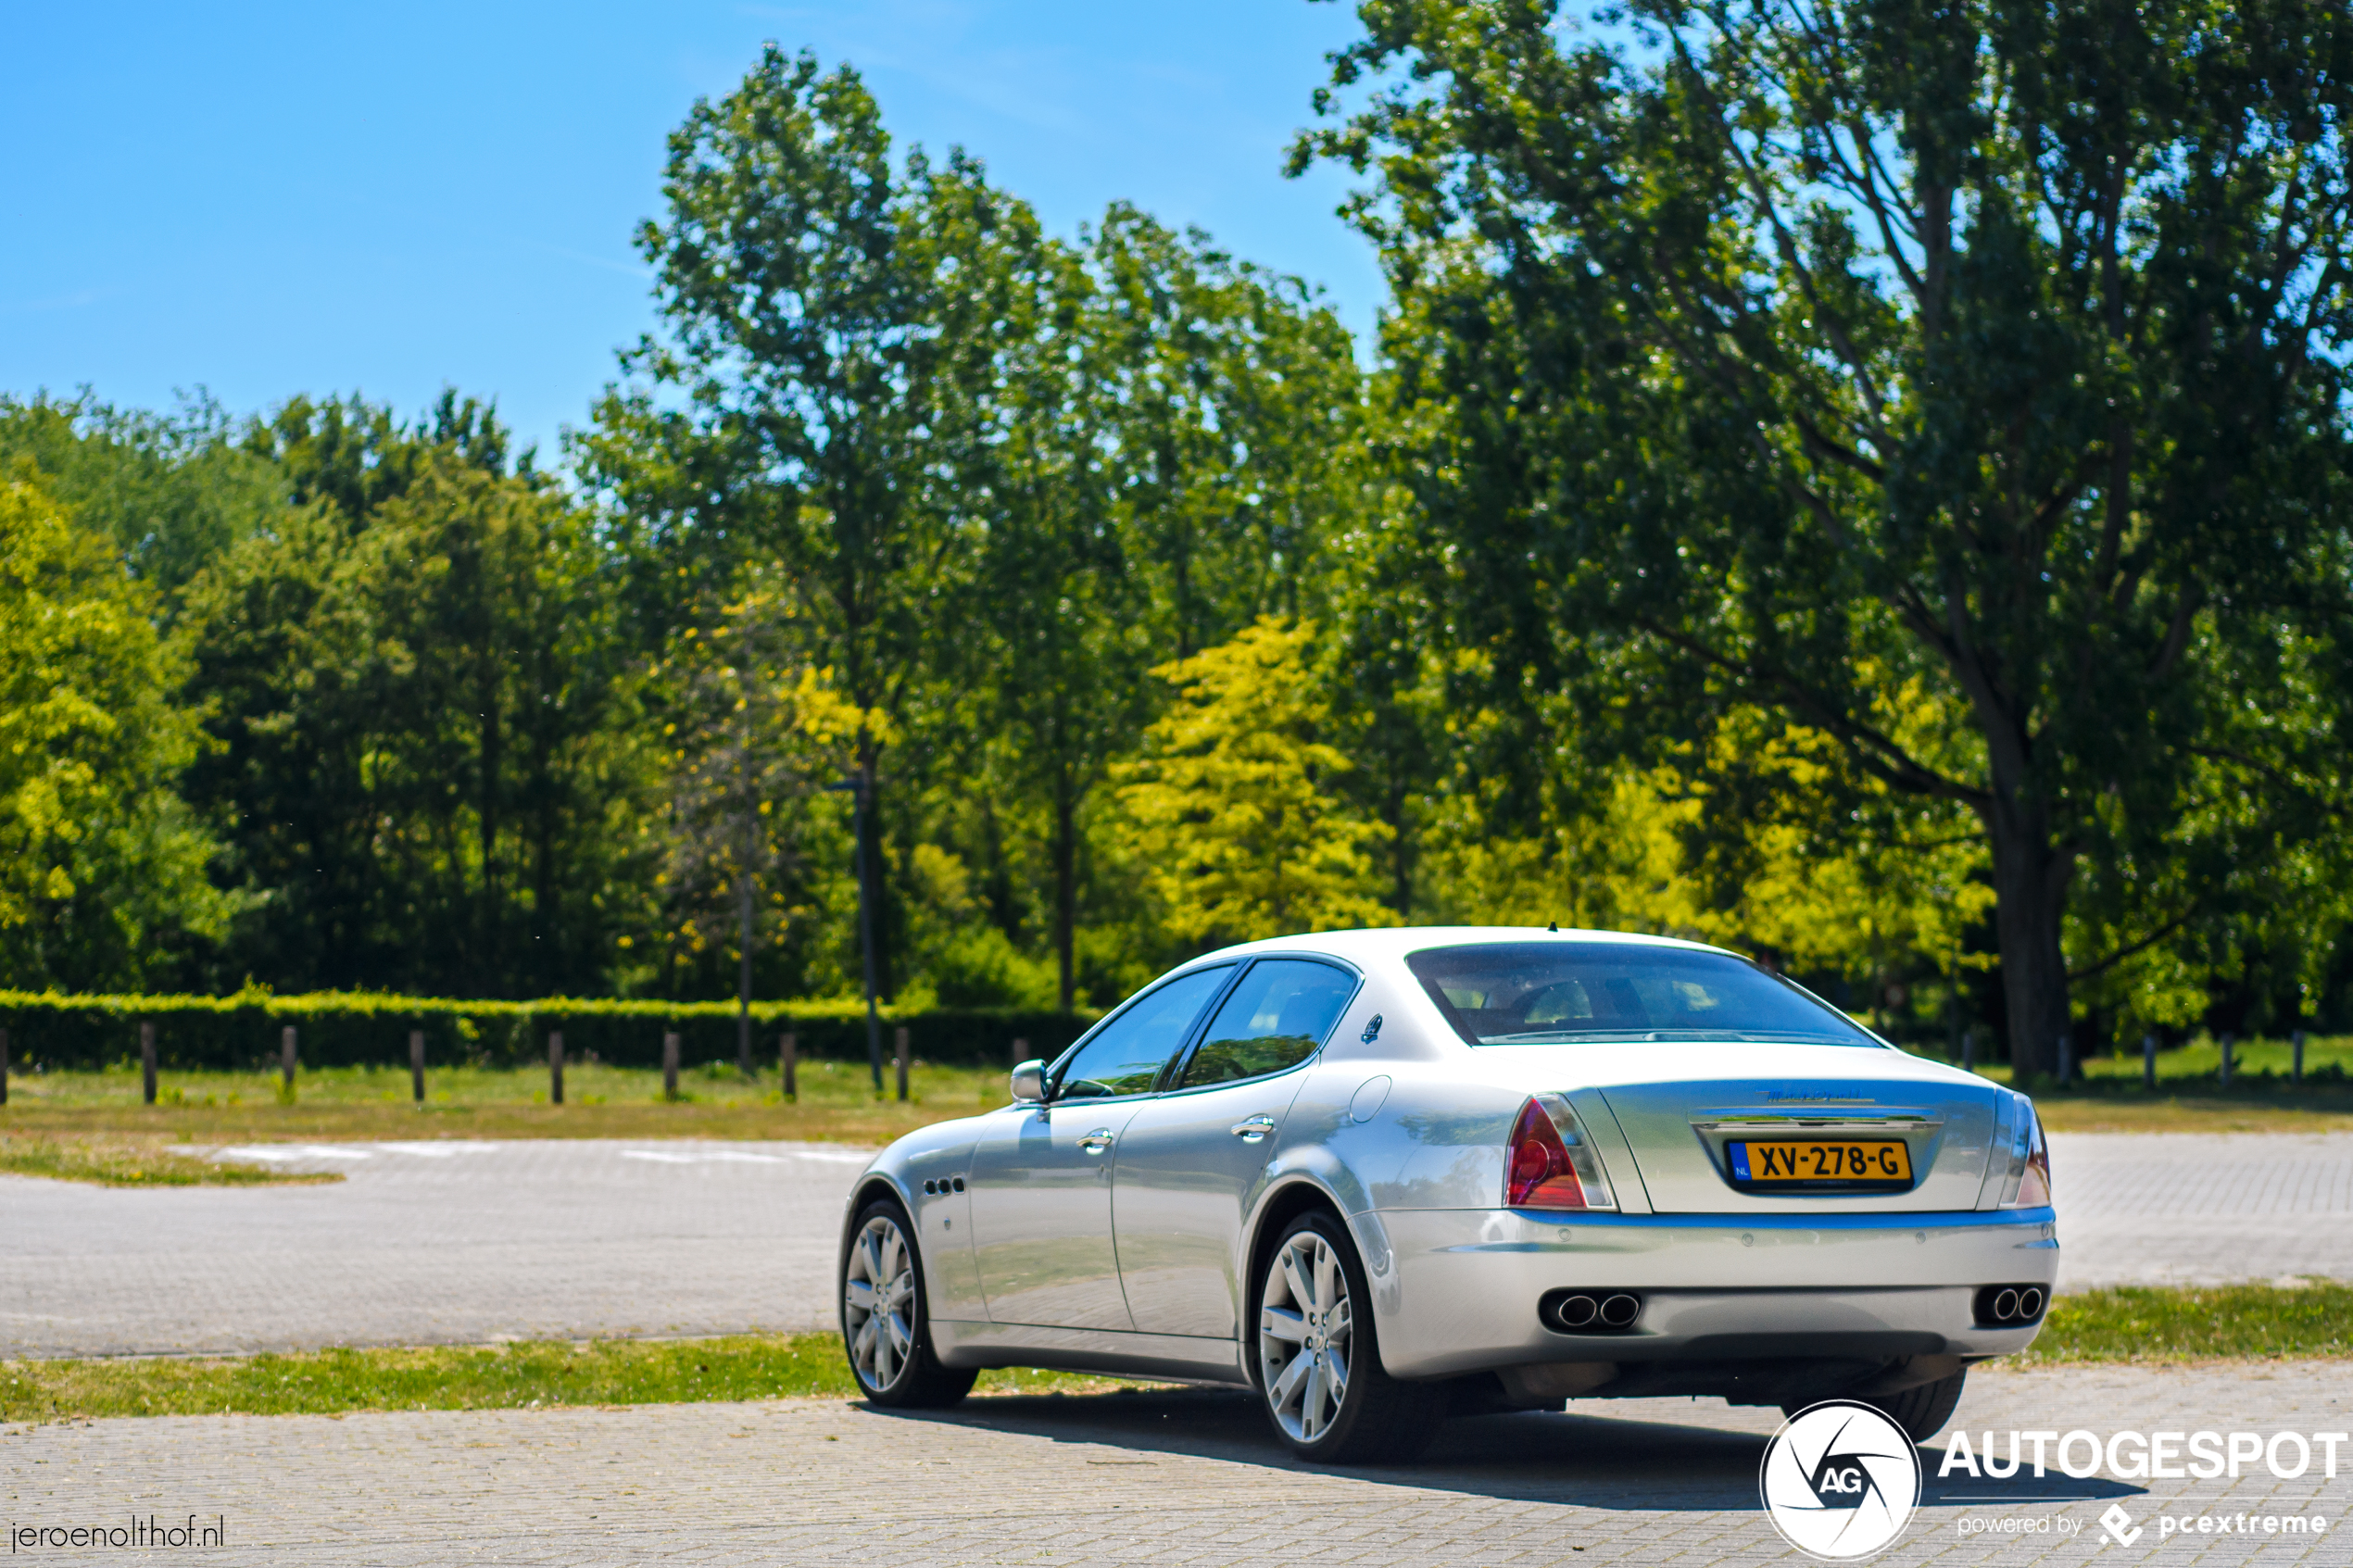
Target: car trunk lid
[
  {"x": 1736, "y": 1145},
  {"x": 1683, "y": 1108}
]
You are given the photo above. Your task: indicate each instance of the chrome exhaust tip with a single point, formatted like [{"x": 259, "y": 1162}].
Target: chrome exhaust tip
[
  {"x": 2010, "y": 1306},
  {"x": 1575, "y": 1311},
  {"x": 1620, "y": 1309}
]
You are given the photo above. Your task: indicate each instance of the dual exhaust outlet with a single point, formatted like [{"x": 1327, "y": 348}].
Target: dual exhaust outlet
[
  {"x": 2004, "y": 1306},
  {"x": 1590, "y": 1312}
]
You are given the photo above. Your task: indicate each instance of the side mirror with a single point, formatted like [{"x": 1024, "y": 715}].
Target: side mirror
[{"x": 1029, "y": 1082}]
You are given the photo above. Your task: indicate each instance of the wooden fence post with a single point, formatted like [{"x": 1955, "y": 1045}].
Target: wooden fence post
[
  {"x": 286, "y": 1056},
  {"x": 4, "y": 1066},
  {"x": 1968, "y": 1048},
  {"x": 901, "y": 1049},
  {"x": 555, "y": 1067},
  {"x": 670, "y": 1066},
  {"x": 2228, "y": 1040},
  {"x": 1020, "y": 1052},
  {"x": 788, "y": 1051},
  {"x": 2295, "y": 1071},
  {"x": 2066, "y": 1055},
  {"x": 417, "y": 1065},
  {"x": 2148, "y": 1059},
  {"x": 147, "y": 1060}
]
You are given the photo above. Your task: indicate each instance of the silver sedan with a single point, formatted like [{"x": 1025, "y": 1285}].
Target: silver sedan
[{"x": 1385, "y": 1176}]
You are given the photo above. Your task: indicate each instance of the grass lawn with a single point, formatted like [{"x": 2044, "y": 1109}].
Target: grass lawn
[
  {"x": 604, "y": 1372},
  {"x": 836, "y": 1104},
  {"x": 2146, "y": 1325},
  {"x": 133, "y": 1161},
  {"x": 2189, "y": 1098},
  {"x": 2235, "y": 1321}
]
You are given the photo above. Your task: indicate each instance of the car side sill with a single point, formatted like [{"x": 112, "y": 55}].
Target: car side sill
[{"x": 968, "y": 1344}]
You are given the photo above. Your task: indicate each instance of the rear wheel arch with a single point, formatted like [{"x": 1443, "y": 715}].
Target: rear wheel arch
[{"x": 1276, "y": 1211}]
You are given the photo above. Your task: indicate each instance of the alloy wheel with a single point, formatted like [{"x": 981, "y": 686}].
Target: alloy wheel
[
  {"x": 878, "y": 1303},
  {"x": 1305, "y": 1334}
]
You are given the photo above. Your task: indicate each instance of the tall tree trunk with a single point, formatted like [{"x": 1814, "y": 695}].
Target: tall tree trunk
[
  {"x": 490, "y": 952},
  {"x": 1065, "y": 883},
  {"x": 743, "y": 964},
  {"x": 2031, "y": 877}
]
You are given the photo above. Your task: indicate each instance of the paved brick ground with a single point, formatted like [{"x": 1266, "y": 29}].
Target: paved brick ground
[
  {"x": 465, "y": 1243},
  {"x": 431, "y": 1244},
  {"x": 2199, "y": 1208},
  {"x": 1179, "y": 1479}
]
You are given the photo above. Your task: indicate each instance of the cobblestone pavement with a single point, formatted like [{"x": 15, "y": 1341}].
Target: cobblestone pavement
[
  {"x": 431, "y": 1243},
  {"x": 2202, "y": 1207},
  {"x": 434, "y": 1243},
  {"x": 1181, "y": 1477}
]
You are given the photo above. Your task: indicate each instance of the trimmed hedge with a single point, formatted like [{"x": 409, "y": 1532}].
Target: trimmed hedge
[{"x": 348, "y": 1029}]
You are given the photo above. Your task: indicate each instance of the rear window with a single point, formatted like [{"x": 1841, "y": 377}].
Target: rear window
[{"x": 1538, "y": 993}]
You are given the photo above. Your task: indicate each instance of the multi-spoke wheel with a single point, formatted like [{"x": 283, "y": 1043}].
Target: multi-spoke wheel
[
  {"x": 883, "y": 1324},
  {"x": 1319, "y": 1363},
  {"x": 1304, "y": 1323}
]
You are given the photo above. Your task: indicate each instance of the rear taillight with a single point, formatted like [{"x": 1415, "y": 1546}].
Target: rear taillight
[
  {"x": 2034, "y": 1188},
  {"x": 1549, "y": 1164},
  {"x": 2027, "y": 1184}
]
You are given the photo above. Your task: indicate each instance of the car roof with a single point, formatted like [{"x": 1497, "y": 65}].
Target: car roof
[{"x": 1392, "y": 943}]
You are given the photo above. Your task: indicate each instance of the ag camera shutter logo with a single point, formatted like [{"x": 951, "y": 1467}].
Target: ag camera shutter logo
[{"x": 1839, "y": 1480}]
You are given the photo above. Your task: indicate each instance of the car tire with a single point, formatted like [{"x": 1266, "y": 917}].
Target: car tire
[
  {"x": 1307, "y": 1326},
  {"x": 1920, "y": 1411},
  {"x": 885, "y": 1315}
]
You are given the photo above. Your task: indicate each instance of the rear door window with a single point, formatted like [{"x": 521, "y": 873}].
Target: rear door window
[{"x": 1275, "y": 1017}]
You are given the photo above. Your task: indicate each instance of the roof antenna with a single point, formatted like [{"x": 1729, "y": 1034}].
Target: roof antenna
[{"x": 1555, "y": 927}]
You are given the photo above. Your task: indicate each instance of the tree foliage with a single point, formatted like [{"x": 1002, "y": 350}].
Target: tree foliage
[
  {"x": 1850, "y": 346},
  {"x": 1861, "y": 484},
  {"x": 101, "y": 863},
  {"x": 426, "y": 766},
  {"x": 1232, "y": 806}
]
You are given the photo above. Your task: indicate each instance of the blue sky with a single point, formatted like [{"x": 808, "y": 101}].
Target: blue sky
[{"x": 265, "y": 198}]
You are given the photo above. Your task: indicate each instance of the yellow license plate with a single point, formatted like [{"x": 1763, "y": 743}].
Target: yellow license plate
[{"x": 1844, "y": 1160}]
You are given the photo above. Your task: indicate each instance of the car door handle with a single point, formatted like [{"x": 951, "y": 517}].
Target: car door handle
[
  {"x": 1097, "y": 1141},
  {"x": 1252, "y": 1128}
]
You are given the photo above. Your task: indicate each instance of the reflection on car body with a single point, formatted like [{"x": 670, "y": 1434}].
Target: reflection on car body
[{"x": 1385, "y": 1175}]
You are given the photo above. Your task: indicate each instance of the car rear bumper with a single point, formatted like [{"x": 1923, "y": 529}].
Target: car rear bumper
[{"x": 1458, "y": 1290}]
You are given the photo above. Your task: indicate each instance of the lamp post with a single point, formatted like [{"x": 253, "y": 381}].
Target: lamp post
[{"x": 860, "y": 788}]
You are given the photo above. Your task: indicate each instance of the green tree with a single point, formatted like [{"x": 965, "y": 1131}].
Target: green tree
[
  {"x": 429, "y": 773},
  {"x": 1060, "y": 626},
  {"x": 101, "y": 866},
  {"x": 1999, "y": 347},
  {"x": 1233, "y": 406},
  {"x": 811, "y": 407},
  {"x": 1231, "y": 809},
  {"x": 753, "y": 735},
  {"x": 172, "y": 491}
]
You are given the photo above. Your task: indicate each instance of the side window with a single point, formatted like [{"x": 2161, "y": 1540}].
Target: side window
[
  {"x": 1127, "y": 1054},
  {"x": 1276, "y": 1018}
]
